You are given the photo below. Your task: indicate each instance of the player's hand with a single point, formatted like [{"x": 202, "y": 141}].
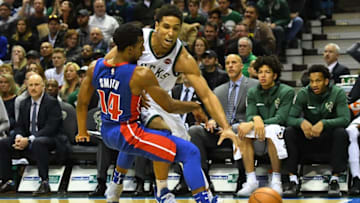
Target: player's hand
[
  {"x": 317, "y": 129},
  {"x": 83, "y": 137},
  {"x": 259, "y": 128},
  {"x": 21, "y": 143},
  {"x": 144, "y": 100},
  {"x": 244, "y": 128},
  {"x": 200, "y": 115},
  {"x": 306, "y": 127},
  {"x": 229, "y": 134},
  {"x": 210, "y": 125}
]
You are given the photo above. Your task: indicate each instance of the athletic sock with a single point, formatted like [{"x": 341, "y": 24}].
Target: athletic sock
[
  {"x": 118, "y": 177},
  {"x": 251, "y": 177},
  {"x": 276, "y": 177},
  {"x": 160, "y": 184},
  {"x": 294, "y": 178}
]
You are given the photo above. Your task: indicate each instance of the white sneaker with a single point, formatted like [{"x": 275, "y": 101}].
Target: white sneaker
[
  {"x": 165, "y": 196},
  {"x": 113, "y": 192},
  {"x": 247, "y": 189},
  {"x": 277, "y": 186}
]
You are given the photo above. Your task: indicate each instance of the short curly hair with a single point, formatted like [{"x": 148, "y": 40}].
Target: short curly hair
[{"x": 271, "y": 61}]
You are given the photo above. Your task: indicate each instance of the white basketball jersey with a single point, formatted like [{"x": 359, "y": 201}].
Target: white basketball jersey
[{"x": 163, "y": 67}]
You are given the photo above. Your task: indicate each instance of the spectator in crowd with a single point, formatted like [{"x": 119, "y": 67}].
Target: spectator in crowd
[
  {"x": 6, "y": 21},
  {"x": 46, "y": 50},
  {"x": 32, "y": 56},
  {"x": 210, "y": 70},
  {"x": 38, "y": 18},
  {"x": 245, "y": 51},
  {"x": 4, "y": 120},
  {"x": 3, "y": 48},
  {"x": 206, "y": 6},
  {"x": 59, "y": 59},
  {"x": 52, "y": 89},
  {"x": 18, "y": 62},
  {"x": 264, "y": 123},
  {"x": 205, "y": 138},
  {"x": 35, "y": 135},
  {"x": 36, "y": 67},
  {"x": 87, "y": 5},
  {"x": 211, "y": 35},
  {"x": 8, "y": 90},
  {"x": 331, "y": 56},
  {"x": 122, "y": 10},
  {"x": 86, "y": 55},
  {"x": 276, "y": 13},
  {"x": 24, "y": 36},
  {"x": 107, "y": 24},
  {"x": 194, "y": 16},
  {"x": 222, "y": 31},
  {"x": 56, "y": 35},
  {"x": 296, "y": 22},
  {"x": 320, "y": 129},
  {"x": 71, "y": 80},
  {"x": 188, "y": 34},
  {"x": 72, "y": 49},
  {"x": 68, "y": 15},
  {"x": 199, "y": 48},
  {"x": 242, "y": 30},
  {"x": 54, "y": 9},
  {"x": 6, "y": 68},
  {"x": 97, "y": 41},
  {"x": 229, "y": 17},
  {"x": 145, "y": 11},
  {"x": 182, "y": 5},
  {"x": 261, "y": 31},
  {"x": 84, "y": 29}
]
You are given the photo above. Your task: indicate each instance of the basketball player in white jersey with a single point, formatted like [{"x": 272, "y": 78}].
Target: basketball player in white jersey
[{"x": 166, "y": 57}]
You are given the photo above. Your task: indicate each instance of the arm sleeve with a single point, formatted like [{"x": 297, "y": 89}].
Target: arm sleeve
[
  {"x": 296, "y": 110},
  {"x": 251, "y": 109}
]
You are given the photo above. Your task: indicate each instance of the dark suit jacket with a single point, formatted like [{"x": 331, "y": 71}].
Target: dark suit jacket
[
  {"x": 59, "y": 39},
  {"x": 339, "y": 70},
  {"x": 176, "y": 94},
  {"x": 222, "y": 92},
  {"x": 49, "y": 118}
]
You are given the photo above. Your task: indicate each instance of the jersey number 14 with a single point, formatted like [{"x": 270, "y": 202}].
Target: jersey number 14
[{"x": 113, "y": 105}]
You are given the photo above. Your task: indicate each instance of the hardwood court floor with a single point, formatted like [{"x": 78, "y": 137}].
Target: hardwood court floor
[{"x": 129, "y": 200}]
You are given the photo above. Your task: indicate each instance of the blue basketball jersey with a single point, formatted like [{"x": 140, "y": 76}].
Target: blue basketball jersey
[{"x": 112, "y": 84}]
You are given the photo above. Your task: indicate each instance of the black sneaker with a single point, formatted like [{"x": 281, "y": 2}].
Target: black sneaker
[
  {"x": 334, "y": 189},
  {"x": 8, "y": 187},
  {"x": 292, "y": 190},
  {"x": 355, "y": 187}
]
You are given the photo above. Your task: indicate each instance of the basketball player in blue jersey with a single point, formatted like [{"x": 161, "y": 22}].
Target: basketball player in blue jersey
[
  {"x": 120, "y": 84},
  {"x": 166, "y": 57}
]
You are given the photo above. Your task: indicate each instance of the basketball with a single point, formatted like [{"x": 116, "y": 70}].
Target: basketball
[{"x": 265, "y": 195}]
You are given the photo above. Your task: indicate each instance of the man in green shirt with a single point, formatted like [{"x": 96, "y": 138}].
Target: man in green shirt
[
  {"x": 267, "y": 109},
  {"x": 320, "y": 129},
  {"x": 245, "y": 46}
]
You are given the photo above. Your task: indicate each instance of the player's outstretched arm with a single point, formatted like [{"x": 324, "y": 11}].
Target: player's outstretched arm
[
  {"x": 144, "y": 79},
  {"x": 84, "y": 97}
]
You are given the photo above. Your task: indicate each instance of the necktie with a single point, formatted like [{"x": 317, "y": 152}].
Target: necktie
[
  {"x": 33, "y": 120},
  {"x": 231, "y": 104},
  {"x": 185, "y": 99}
]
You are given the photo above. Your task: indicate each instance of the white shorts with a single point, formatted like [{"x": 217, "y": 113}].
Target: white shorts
[{"x": 174, "y": 121}]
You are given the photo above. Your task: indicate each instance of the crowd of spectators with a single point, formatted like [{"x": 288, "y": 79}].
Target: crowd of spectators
[{"x": 46, "y": 47}]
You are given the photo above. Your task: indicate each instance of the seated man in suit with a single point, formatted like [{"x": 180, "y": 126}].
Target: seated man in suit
[
  {"x": 35, "y": 135},
  {"x": 321, "y": 129},
  {"x": 232, "y": 96},
  {"x": 331, "y": 56},
  {"x": 268, "y": 106}
]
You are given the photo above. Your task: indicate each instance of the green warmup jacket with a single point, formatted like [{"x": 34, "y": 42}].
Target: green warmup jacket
[
  {"x": 272, "y": 105},
  {"x": 330, "y": 107}
]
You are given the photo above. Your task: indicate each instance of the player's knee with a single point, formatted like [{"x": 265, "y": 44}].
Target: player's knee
[{"x": 193, "y": 151}]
